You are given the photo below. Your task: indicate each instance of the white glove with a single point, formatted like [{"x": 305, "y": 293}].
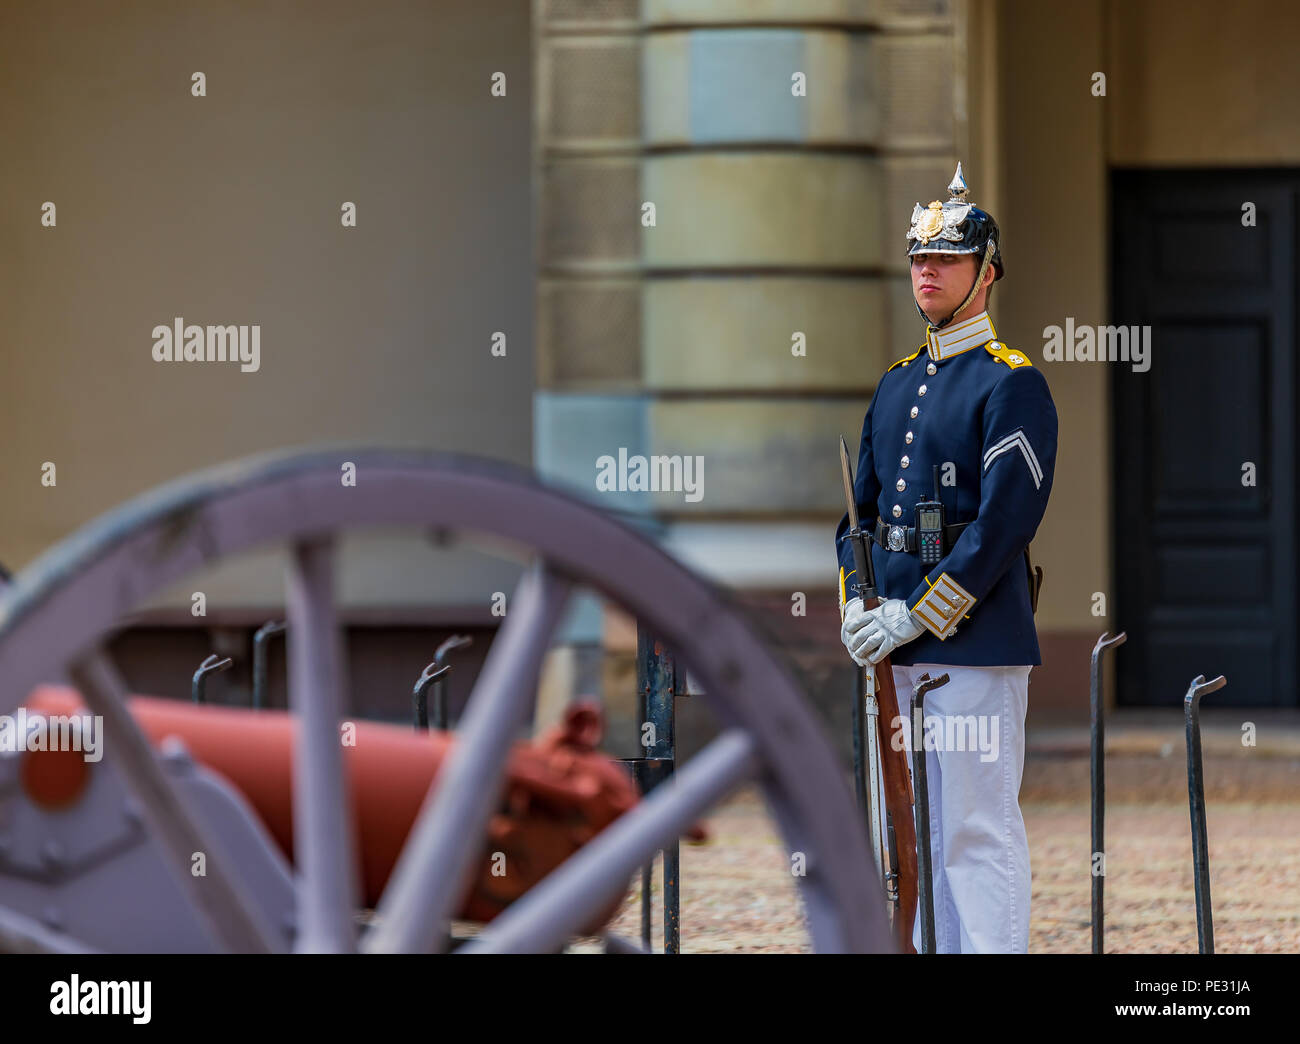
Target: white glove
[
  {"x": 853, "y": 631},
  {"x": 887, "y": 626}
]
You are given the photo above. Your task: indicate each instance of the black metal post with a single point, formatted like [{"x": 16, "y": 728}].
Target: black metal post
[
  {"x": 656, "y": 689},
  {"x": 440, "y": 718},
  {"x": 658, "y": 683},
  {"x": 420, "y": 694},
  {"x": 1098, "y": 750},
  {"x": 261, "y": 671},
  {"x": 672, "y": 888},
  {"x": 920, "y": 777},
  {"x": 647, "y": 879},
  {"x": 199, "y": 684},
  {"x": 648, "y": 773},
  {"x": 1196, "y": 802}
]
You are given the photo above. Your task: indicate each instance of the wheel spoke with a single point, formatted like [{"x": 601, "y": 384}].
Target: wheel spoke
[
  {"x": 323, "y": 845},
  {"x": 230, "y": 917},
  {"x": 444, "y": 844},
  {"x": 556, "y": 909}
]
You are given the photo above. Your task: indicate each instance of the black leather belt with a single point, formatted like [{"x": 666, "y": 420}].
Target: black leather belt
[{"x": 903, "y": 538}]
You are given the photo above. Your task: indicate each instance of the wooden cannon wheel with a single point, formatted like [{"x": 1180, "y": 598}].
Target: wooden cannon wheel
[{"x": 62, "y": 607}]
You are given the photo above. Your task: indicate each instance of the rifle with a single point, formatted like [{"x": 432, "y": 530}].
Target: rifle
[{"x": 890, "y": 760}]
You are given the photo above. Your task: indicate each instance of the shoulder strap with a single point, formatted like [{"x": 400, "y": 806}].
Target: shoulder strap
[
  {"x": 1010, "y": 356},
  {"x": 907, "y": 358}
]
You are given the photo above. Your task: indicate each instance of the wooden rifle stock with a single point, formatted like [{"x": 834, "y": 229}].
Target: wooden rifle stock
[
  {"x": 897, "y": 780},
  {"x": 895, "y": 773}
]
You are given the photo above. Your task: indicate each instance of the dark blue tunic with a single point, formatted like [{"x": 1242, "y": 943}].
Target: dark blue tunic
[{"x": 985, "y": 415}]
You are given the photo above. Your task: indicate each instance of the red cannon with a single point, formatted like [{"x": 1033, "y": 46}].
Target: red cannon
[{"x": 559, "y": 791}]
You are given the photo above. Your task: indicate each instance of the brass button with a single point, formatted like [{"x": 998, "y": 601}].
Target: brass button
[
  {"x": 908, "y": 438},
  {"x": 900, "y": 485},
  {"x": 897, "y": 511},
  {"x": 931, "y": 369},
  {"x": 920, "y": 390},
  {"x": 915, "y": 411},
  {"x": 905, "y": 461}
]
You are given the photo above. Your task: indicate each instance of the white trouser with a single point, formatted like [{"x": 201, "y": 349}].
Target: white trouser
[{"x": 980, "y": 853}]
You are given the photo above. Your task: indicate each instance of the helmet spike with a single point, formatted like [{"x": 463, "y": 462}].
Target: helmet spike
[{"x": 957, "y": 187}]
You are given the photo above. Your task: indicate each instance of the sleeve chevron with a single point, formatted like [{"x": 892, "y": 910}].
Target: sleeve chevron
[{"x": 1016, "y": 441}]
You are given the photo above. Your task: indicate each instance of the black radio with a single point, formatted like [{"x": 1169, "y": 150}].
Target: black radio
[{"x": 929, "y": 527}]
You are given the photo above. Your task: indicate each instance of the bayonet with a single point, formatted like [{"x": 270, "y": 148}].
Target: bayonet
[{"x": 865, "y": 584}]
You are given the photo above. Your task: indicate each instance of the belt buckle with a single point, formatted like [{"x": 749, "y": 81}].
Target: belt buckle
[{"x": 897, "y": 539}]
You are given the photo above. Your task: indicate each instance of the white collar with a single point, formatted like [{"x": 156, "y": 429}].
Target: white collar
[{"x": 960, "y": 337}]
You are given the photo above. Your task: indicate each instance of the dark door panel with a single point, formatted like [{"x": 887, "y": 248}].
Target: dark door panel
[{"x": 1206, "y": 565}]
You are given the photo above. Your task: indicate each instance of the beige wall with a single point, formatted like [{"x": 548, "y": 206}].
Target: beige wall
[
  {"x": 1204, "y": 83},
  {"x": 225, "y": 209},
  {"x": 1054, "y": 220}
]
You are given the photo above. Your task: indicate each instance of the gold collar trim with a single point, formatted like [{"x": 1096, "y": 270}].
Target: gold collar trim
[{"x": 961, "y": 337}]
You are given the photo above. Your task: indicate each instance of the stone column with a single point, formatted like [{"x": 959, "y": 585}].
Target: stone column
[{"x": 723, "y": 189}]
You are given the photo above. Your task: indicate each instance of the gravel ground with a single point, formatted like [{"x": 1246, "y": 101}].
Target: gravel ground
[{"x": 738, "y": 896}]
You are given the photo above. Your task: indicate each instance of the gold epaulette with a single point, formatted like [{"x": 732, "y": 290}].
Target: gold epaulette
[
  {"x": 1010, "y": 356},
  {"x": 908, "y": 358}
]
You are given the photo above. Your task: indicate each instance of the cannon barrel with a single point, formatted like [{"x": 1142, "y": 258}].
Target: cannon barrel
[{"x": 559, "y": 791}]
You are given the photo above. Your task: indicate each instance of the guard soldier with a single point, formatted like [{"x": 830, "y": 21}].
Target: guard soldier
[{"x": 972, "y": 417}]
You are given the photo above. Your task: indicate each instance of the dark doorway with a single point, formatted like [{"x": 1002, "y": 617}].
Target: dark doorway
[{"x": 1206, "y": 572}]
